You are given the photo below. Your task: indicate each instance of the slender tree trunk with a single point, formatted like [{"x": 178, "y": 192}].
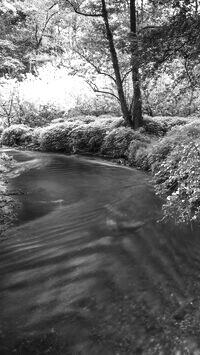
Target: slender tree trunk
[
  {"x": 196, "y": 7},
  {"x": 136, "y": 107},
  {"x": 142, "y": 11},
  {"x": 115, "y": 63}
]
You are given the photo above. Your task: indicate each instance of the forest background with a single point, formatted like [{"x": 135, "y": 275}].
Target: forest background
[{"x": 51, "y": 48}]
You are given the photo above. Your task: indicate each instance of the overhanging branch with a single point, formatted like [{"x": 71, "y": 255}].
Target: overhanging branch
[
  {"x": 98, "y": 70},
  {"x": 77, "y": 10},
  {"x": 126, "y": 74},
  {"x": 97, "y": 90},
  {"x": 150, "y": 27}
]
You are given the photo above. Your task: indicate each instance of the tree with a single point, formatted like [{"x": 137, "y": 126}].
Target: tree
[
  {"x": 12, "y": 19},
  {"x": 103, "y": 16},
  {"x": 27, "y": 35},
  {"x": 42, "y": 23},
  {"x": 136, "y": 107}
]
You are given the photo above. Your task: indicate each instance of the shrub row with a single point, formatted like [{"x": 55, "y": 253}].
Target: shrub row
[
  {"x": 173, "y": 159},
  {"x": 105, "y": 136}
]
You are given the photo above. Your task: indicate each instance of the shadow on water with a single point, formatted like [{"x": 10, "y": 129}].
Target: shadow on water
[{"x": 87, "y": 269}]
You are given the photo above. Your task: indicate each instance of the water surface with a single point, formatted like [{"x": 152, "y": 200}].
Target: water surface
[{"x": 87, "y": 269}]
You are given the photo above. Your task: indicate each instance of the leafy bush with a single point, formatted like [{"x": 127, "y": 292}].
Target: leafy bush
[
  {"x": 159, "y": 151},
  {"x": 81, "y": 118},
  {"x": 87, "y": 138},
  {"x": 160, "y": 125},
  {"x": 56, "y": 138},
  {"x": 117, "y": 142},
  {"x": 36, "y": 137},
  {"x": 154, "y": 127},
  {"x": 172, "y": 121},
  {"x": 141, "y": 158},
  {"x": 95, "y": 105},
  {"x": 133, "y": 155},
  {"x": 6, "y": 163},
  {"x": 80, "y": 133},
  {"x": 38, "y": 116},
  {"x": 190, "y": 130},
  {"x": 1, "y": 130},
  {"x": 16, "y": 135},
  {"x": 164, "y": 146},
  {"x": 175, "y": 162},
  {"x": 103, "y": 121},
  {"x": 178, "y": 181},
  {"x": 109, "y": 122}
]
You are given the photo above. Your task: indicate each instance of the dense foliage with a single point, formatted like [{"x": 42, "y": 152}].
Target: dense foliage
[
  {"x": 16, "y": 135},
  {"x": 34, "y": 33},
  {"x": 176, "y": 168},
  {"x": 172, "y": 154},
  {"x": 178, "y": 181},
  {"x": 117, "y": 142},
  {"x": 7, "y": 204},
  {"x": 28, "y": 35}
]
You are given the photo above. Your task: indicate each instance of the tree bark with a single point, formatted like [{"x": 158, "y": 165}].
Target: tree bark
[
  {"x": 136, "y": 107},
  {"x": 115, "y": 63}
]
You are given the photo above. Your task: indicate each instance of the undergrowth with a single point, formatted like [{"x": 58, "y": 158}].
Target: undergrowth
[{"x": 168, "y": 148}]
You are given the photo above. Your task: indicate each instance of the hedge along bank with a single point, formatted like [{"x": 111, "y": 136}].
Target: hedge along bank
[{"x": 152, "y": 148}]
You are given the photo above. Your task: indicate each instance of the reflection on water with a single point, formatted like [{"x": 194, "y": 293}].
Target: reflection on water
[{"x": 88, "y": 270}]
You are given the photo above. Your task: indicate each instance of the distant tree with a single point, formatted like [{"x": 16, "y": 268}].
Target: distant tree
[
  {"x": 27, "y": 35},
  {"x": 11, "y": 34}
]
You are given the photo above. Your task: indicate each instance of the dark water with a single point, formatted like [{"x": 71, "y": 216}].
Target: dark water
[{"x": 77, "y": 274}]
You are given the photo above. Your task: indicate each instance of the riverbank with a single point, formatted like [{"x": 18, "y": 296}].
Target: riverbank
[
  {"x": 167, "y": 147},
  {"x": 8, "y": 204}
]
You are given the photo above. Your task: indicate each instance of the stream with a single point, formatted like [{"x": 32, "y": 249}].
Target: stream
[{"x": 87, "y": 269}]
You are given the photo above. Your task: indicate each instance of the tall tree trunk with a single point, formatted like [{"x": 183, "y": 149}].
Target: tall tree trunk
[
  {"x": 115, "y": 63},
  {"x": 136, "y": 107},
  {"x": 142, "y": 11},
  {"x": 196, "y": 7}
]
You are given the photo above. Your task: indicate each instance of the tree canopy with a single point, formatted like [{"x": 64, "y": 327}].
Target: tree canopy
[{"x": 127, "y": 43}]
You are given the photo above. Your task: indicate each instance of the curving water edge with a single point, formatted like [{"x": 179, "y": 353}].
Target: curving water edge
[{"x": 87, "y": 269}]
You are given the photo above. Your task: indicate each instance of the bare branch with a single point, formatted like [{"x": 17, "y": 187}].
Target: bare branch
[
  {"x": 48, "y": 36},
  {"x": 189, "y": 75},
  {"x": 98, "y": 70},
  {"x": 52, "y": 6},
  {"x": 3, "y": 106},
  {"x": 11, "y": 104},
  {"x": 150, "y": 27},
  {"x": 77, "y": 11},
  {"x": 36, "y": 33},
  {"x": 97, "y": 90},
  {"x": 107, "y": 93},
  {"x": 126, "y": 74},
  {"x": 47, "y": 20}
]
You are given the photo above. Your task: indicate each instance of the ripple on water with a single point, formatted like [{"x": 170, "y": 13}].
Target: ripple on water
[{"x": 71, "y": 269}]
